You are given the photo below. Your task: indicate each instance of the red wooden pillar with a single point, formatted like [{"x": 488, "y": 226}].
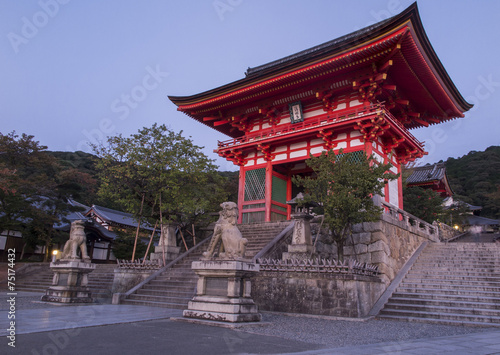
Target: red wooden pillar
[
  {"x": 269, "y": 190},
  {"x": 400, "y": 188},
  {"x": 241, "y": 193},
  {"x": 289, "y": 195}
]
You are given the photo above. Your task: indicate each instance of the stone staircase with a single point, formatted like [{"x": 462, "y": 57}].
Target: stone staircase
[
  {"x": 100, "y": 280},
  {"x": 175, "y": 287},
  {"x": 454, "y": 283}
]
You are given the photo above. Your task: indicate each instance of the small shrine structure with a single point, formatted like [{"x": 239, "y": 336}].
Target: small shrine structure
[{"x": 362, "y": 93}]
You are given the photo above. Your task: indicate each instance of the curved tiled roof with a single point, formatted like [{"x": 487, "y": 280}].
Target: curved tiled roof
[
  {"x": 117, "y": 217},
  {"x": 427, "y": 173},
  {"x": 431, "y": 83}
]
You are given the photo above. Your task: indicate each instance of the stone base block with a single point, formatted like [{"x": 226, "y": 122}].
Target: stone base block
[
  {"x": 222, "y": 317},
  {"x": 229, "y": 307},
  {"x": 70, "y": 282},
  {"x": 67, "y": 294},
  {"x": 171, "y": 253},
  {"x": 223, "y": 291}
]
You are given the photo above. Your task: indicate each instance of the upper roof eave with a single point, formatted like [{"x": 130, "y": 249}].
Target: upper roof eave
[{"x": 333, "y": 47}]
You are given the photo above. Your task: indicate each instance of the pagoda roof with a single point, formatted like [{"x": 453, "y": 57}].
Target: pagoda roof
[
  {"x": 431, "y": 175},
  {"x": 422, "y": 74}
]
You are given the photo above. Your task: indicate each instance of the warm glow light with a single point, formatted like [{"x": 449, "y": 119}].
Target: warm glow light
[
  {"x": 54, "y": 252},
  {"x": 456, "y": 226}
]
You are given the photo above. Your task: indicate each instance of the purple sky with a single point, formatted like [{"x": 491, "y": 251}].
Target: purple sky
[{"x": 76, "y": 71}]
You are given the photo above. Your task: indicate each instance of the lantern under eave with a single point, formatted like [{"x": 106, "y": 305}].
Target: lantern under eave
[{"x": 362, "y": 92}]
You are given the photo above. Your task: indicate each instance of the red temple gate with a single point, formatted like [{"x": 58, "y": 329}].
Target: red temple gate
[{"x": 361, "y": 93}]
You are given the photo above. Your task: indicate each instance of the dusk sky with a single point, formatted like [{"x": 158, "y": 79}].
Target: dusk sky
[{"x": 77, "y": 71}]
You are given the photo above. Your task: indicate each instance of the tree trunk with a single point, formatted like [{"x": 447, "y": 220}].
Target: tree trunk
[
  {"x": 138, "y": 228},
  {"x": 22, "y": 251},
  {"x": 46, "y": 254},
  {"x": 340, "y": 249}
]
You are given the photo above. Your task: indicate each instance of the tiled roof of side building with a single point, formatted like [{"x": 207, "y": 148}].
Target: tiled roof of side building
[
  {"x": 427, "y": 173},
  {"x": 119, "y": 217},
  {"x": 481, "y": 221}
]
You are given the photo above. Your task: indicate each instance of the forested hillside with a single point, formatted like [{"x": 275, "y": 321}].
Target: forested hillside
[
  {"x": 475, "y": 178},
  {"x": 80, "y": 166},
  {"x": 85, "y": 163}
]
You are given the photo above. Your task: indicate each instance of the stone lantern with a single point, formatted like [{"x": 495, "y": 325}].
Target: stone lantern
[{"x": 301, "y": 247}]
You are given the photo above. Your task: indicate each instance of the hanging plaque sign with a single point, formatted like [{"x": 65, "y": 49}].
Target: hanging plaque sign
[{"x": 295, "y": 109}]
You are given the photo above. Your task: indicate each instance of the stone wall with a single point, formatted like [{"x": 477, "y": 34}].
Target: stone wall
[
  {"x": 338, "y": 295},
  {"x": 125, "y": 279},
  {"x": 388, "y": 243}
]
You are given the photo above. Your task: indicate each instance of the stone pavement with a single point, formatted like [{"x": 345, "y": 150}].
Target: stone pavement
[
  {"x": 123, "y": 329},
  {"x": 477, "y": 343}
]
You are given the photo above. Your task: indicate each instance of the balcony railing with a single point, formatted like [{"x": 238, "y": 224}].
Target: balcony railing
[{"x": 342, "y": 117}]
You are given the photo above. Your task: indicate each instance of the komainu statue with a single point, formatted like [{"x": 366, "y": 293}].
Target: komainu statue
[
  {"x": 77, "y": 240},
  {"x": 226, "y": 229}
]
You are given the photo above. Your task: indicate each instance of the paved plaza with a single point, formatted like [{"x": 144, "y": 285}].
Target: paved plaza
[{"x": 122, "y": 329}]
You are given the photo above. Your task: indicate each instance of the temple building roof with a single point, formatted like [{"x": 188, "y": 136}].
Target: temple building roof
[
  {"x": 112, "y": 217},
  {"x": 396, "y": 52},
  {"x": 432, "y": 176}
]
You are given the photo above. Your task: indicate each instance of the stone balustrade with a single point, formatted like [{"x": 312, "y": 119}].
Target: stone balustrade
[{"x": 139, "y": 264}]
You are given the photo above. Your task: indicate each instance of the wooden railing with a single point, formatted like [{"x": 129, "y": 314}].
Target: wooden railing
[{"x": 343, "y": 116}]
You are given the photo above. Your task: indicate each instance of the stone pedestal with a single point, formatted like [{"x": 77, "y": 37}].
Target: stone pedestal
[
  {"x": 223, "y": 292},
  {"x": 167, "y": 245},
  {"x": 301, "y": 247},
  {"x": 70, "y": 282}
]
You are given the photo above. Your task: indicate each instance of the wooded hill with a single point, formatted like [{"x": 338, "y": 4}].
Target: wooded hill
[{"x": 475, "y": 179}]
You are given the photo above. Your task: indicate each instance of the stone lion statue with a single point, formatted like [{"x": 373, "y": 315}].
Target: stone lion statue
[
  {"x": 226, "y": 229},
  {"x": 77, "y": 240}
]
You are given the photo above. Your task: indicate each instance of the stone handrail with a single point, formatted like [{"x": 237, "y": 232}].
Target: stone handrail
[{"x": 407, "y": 219}]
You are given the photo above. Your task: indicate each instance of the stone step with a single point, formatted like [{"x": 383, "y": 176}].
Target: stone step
[
  {"x": 437, "y": 321},
  {"x": 417, "y": 308},
  {"x": 162, "y": 299},
  {"x": 488, "y": 319},
  {"x": 453, "y": 278},
  {"x": 447, "y": 297},
  {"x": 182, "y": 288},
  {"x": 463, "y": 259},
  {"x": 445, "y": 303},
  {"x": 447, "y": 289},
  {"x": 154, "y": 304},
  {"x": 170, "y": 276},
  {"x": 172, "y": 293},
  {"x": 465, "y": 270}
]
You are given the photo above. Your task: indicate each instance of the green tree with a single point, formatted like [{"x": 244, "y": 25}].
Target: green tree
[
  {"x": 425, "y": 204},
  {"x": 34, "y": 194},
  {"x": 157, "y": 163},
  {"x": 123, "y": 246},
  {"x": 343, "y": 185}
]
